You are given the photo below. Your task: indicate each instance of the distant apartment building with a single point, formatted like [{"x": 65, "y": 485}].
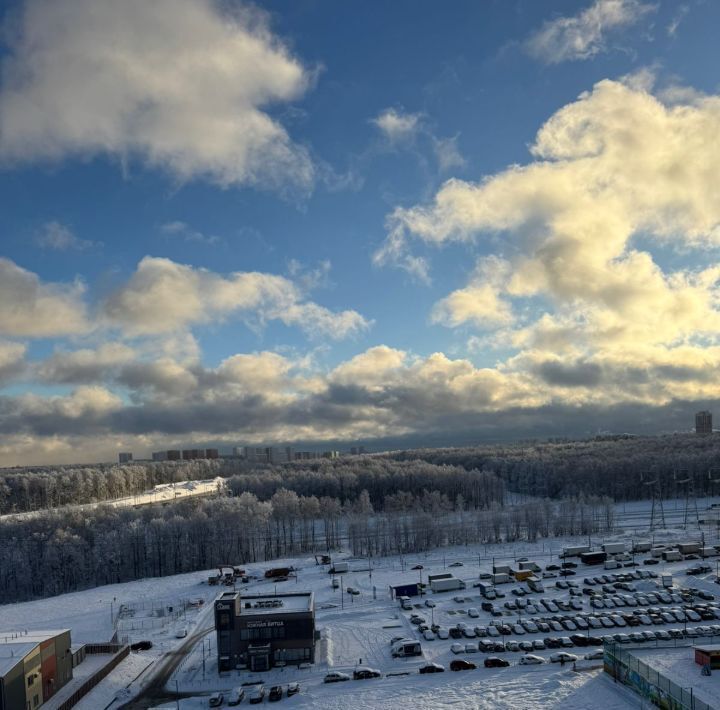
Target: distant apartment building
[
  {"x": 125, "y": 457},
  {"x": 34, "y": 665},
  {"x": 169, "y": 455},
  {"x": 331, "y": 454},
  {"x": 212, "y": 454},
  {"x": 703, "y": 422},
  {"x": 268, "y": 454},
  {"x": 357, "y": 450}
]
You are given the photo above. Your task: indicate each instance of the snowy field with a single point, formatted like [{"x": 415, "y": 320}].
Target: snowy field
[{"x": 360, "y": 627}]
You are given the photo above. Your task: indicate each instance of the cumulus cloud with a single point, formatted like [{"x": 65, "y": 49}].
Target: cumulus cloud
[
  {"x": 397, "y": 126},
  {"x": 29, "y": 307},
  {"x": 164, "y": 296},
  {"x": 612, "y": 165},
  {"x": 584, "y": 35},
  {"x": 60, "y": 237},
  {"x": 12, "y": 360},
  {"x": 184, "y": 85}
]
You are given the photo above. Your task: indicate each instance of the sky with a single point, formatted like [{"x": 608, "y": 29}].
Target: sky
[{"x": 225, "y": 223}]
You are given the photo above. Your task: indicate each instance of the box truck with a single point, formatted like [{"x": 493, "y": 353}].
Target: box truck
[
  {"x": 339, "y": 568},
  {"x": 575, "y": 551},
  {"x": 613, "y": 548},
  {"x": 447, "y": 585},
  {"x": 672, "y": 556}
]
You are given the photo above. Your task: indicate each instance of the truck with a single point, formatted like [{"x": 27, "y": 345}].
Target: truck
[
  {"x": 487, "y": 590},
  {"x": 593, "y": 558},
  {"x": 532, "y": 566},
  {"x": 447, "y": 584},
  {"x": 339, "y": 568},
  {"x": 611, "y": 564},
  {"x": 709, "y": 552},
  {"x": 501, "y": 578},
  {"x": 642, "y": 547},
  {"x": 657, "y": 550},
  {"x": 278, "y": 572},
  {"x": 672, "y": 555},
  {"x": 501, "y": 569},
  {"x": 689, "y": 548},
  {"x": 404, "y": 648},
  {"x": 574, "y": 551},
  {"x": 667, "y": 581},
  {"x": 613, "y": 548}
]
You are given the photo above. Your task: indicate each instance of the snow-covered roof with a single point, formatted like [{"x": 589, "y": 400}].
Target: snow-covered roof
[
  {"x": 35, "y": 636},
  {"x": 261, "y": 603},
  {"x": 12, "y": 654}
]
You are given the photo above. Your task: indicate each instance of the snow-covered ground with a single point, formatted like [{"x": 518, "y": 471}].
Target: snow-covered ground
[
  {"x": 162, "y": 493},
  {"x": 678, "y": 665},
  {"x": 358, "y": 627}
]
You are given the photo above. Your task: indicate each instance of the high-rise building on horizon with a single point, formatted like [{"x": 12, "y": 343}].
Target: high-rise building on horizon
[{"x": 703, "y": 422}]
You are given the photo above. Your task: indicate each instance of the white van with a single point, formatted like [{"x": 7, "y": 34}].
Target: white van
[{"x": 181, "y": 633}]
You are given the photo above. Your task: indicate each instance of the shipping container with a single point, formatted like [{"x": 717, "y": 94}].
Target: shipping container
[
  {"x": 613, "y": 548},
  {"x": 672, "y": 556},
  {"x": 447, "y": 585},
  {"x": 689, "y": 548},
  {"x": 593, "y": 558},
  {"x": 709, "y": 552}
]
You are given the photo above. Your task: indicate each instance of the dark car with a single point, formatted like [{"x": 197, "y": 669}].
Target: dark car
[
  {"x": 460, "y": 664},
  {"x": 417, "y": 567},
  {"x": 569, "y": 565},
  {"x": 276, "y": 693},
  {"x": 579, "y": 639},
  {"x": 566, "y": 573},
  {"x": 495, "y": 662},
  {"x": 455, "y": 633},
  {"x": 651, "y": 561},
  {"x": 365, "y": 673},
  {"x": 552, "y": 568},
  {"x": 293, "y": 689},
  {"x": 432, "y": 668},
  {"x": 141, "y": 646}
]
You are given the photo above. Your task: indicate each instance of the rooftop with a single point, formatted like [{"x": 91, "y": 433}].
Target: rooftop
[
  {"x": 276, "y": 603},
  {"x": 34, "y": 636},
  {"x": 12, "y": 654}
]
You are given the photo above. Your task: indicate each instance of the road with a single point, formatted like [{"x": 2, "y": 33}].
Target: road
[{"x": 155, "y": 692}]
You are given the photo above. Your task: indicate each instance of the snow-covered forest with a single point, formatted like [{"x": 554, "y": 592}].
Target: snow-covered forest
[{"x": 374, "y": 505}]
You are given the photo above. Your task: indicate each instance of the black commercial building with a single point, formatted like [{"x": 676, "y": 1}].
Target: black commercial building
[{"x": 261, "y": 631}]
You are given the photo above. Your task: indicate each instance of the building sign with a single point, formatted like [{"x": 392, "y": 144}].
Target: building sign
[
  {"x": 221, "y": 606},
  {"x": 263, "y": 624}
]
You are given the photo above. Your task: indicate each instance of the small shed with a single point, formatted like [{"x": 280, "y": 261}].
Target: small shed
[{"x": 708, "y": 656}]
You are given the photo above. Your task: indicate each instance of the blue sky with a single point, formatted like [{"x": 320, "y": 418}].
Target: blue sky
[{"x": 257, "y": 223}]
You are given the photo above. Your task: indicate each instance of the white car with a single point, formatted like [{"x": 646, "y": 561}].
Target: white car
[
  {"x": 443, "y": 633},
  {"x": 236, "y": 696},
  {"x": 562, "y": 656},
  {"x": 336, "y": 677},
  {"x": 473, "y": 613},
  {"x": 458, "y": 648},
  {"x": 428, "y": 635},
  {"x": 493, "y": 631},
  {"x": 430, "y": 603},
  {"x": 594, "y": 655},
  {"x": 181, "y": 633},
  {"x": 530, "y": 659},
  {"x": 471, "y": 648}
]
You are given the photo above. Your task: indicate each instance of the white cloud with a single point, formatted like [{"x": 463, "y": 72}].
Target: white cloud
[
  {"x": 585, "y": 35},
  {"x": 60, "y": 237},
  {"x": 182, "y": 84},
  {"x": 29, "y": 307},
  {"x": 12, "y": 360},
  {"x": 397, "y": 126},
  {"x": 447, "y": 153},
  {"x": 163, "y": 296},
  {"x": 185, "y": 232}
]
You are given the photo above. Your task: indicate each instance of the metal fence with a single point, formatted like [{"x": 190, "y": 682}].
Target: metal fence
[{"x": 625, "y": 667}]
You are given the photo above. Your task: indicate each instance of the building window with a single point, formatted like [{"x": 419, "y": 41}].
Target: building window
[{"x": 223, "y": 620}]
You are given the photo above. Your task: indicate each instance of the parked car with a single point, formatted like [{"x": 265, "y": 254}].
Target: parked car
[
  {"x": 530, "y": 660},
  {"x": 458, "y": 648},
  {"x": 595, "y": 655},
  {"x": 562, "y": 657},
  {"x": 365, "y": 673},
  {"x": 257, "y": 695},
  {"x": 455, "y": 564},
  {"x": 417, "y": 567},
  {"x": 293, "y": 689},
  {"x": 141, "y": 646},
  {"x": 181, "y": 633},
  {"x": 336, "y": 677},
  {"x": 495, "y": 662},
  {"x": 276, "y": 693},
  {"x": 432, "y": 668},
  {"x": 236, "y": 696},
  {"x": 216, "y": 700},
  {"x": 460, "y": 664}
]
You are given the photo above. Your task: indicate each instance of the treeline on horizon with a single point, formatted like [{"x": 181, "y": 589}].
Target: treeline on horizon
[{"x": 609, "y": 466}]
